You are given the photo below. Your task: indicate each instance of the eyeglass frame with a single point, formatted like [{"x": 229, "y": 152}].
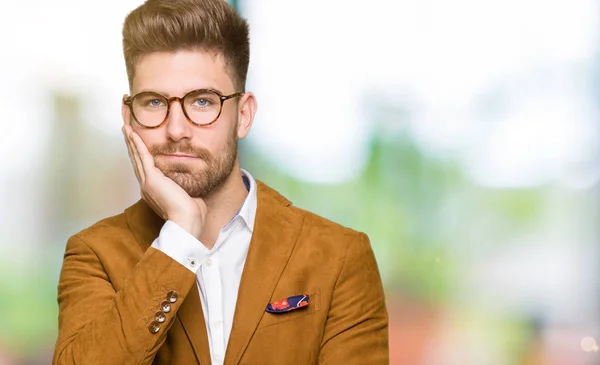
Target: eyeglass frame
[{"x": 128, "y": 100}]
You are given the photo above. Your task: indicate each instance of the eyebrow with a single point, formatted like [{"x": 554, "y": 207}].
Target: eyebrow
[{"x": 208, "y": 87}]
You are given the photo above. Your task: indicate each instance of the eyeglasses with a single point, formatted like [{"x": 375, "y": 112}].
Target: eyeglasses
[{"x": 201, "y": 107}]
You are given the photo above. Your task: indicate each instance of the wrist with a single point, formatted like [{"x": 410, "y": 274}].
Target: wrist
[{"x": 189, "y": 224}]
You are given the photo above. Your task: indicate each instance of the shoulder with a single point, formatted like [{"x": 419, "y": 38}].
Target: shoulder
[
  {"x": 329, "y": 238},
  {"x": 138, "y": 223},
  {"x": 315, "y": 228},
  {"x": 106, "y": 238},
  {"x": 325, "y": 227},
  {"x": 105, "y": 227}
]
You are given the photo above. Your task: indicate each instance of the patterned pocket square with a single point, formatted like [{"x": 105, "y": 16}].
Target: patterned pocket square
[{"x": 288, "y": 304}]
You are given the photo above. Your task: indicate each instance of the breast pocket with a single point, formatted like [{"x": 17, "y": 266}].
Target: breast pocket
[{"x": 270, "y": 319}]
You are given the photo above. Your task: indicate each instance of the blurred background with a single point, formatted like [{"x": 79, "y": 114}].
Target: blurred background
[{"x": 462, "y": 136}]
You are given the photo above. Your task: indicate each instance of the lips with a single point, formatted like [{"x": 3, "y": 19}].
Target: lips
[{"x": 178, "y": 155}]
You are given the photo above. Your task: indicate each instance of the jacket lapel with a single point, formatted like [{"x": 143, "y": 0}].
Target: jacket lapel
[
  {"x": 192, "y": 319},
  {"x": 145, "y": 226},
  {"x": 276, "y": 230}
]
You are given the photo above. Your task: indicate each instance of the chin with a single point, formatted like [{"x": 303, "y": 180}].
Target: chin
[
  {"x": 199, "y": 181},
  {"x": 194, "y": 185},
  {"x": 198, "y": 184}
]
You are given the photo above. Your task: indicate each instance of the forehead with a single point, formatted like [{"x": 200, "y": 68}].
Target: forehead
[{"x": 175, "y": 73}]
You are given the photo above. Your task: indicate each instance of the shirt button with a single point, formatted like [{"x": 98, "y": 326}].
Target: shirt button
[
  {"x": 172, "y": 296},
  {"x": 208, "y": 262},
  {"x": 192, "y": 261},
  {"x": 154, "y": 327},
  {"x": 165, "y": 306},
  {"x": 218, "y": 324}
]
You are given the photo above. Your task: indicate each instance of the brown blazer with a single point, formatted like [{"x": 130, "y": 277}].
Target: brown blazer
[{"x": 112, "y": 285}]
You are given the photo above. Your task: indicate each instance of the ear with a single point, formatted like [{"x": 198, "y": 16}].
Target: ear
[{"x": 246, "y": 112}]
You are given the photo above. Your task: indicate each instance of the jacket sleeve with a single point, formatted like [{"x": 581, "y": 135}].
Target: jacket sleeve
[
  {"x": 356, "y": 331},
  {"x": 98, "y": 325}
]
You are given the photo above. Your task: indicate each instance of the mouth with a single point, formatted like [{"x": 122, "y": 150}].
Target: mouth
[{"x": 178, "y": 155}]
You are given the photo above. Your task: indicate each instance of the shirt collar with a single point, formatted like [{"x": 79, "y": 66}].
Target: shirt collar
[{"x": 248, "y": 208}]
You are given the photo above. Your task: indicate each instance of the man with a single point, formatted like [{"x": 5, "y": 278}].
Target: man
[{"x": 211, "y": 266}]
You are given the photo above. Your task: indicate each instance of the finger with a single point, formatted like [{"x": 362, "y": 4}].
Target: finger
[
  {"x": 130, "y": 153},
  {"x": 134, "y": 159},
  {"x": 144, "y": 155},
  {"x": 136, "y": 155}
]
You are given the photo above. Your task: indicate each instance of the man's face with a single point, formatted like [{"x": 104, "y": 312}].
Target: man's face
[{"x": 199, "y": 159}]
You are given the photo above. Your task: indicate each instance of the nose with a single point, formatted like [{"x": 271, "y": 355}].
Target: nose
[{"x": 177, "y": 126}]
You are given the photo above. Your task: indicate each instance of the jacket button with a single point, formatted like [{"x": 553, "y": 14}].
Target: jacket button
[
  {"x": 165, "y": 306},
  {"x": 172, "y": 296},
  {"x": 154, "y": 327},
  {"x": 160, "y": 317}
]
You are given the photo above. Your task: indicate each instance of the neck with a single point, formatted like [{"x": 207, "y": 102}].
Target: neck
[{"x": 222, "y": 205}]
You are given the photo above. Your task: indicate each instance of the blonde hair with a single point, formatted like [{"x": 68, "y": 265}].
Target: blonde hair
[{"x": 198, "y": 25}]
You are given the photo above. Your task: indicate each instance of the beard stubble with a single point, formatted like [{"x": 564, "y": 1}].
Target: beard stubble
[{"x": 198, "y": 182}]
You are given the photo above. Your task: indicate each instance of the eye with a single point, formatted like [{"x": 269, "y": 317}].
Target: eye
[
  {"x": 155, "y": 103},
  {"x": 202, "y": 103}
]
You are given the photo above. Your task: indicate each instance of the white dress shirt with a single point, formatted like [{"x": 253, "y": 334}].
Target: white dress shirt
[{"x": 218, "y": 270}]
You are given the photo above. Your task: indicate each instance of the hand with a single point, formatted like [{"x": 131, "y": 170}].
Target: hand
[{"x": 162, "y": 194}]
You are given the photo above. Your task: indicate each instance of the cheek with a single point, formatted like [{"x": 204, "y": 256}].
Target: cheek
[
  {"x": 216, "y": 140},
  {"x": 215, "y": 143},
  {"x": 148, "y": 136}
]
